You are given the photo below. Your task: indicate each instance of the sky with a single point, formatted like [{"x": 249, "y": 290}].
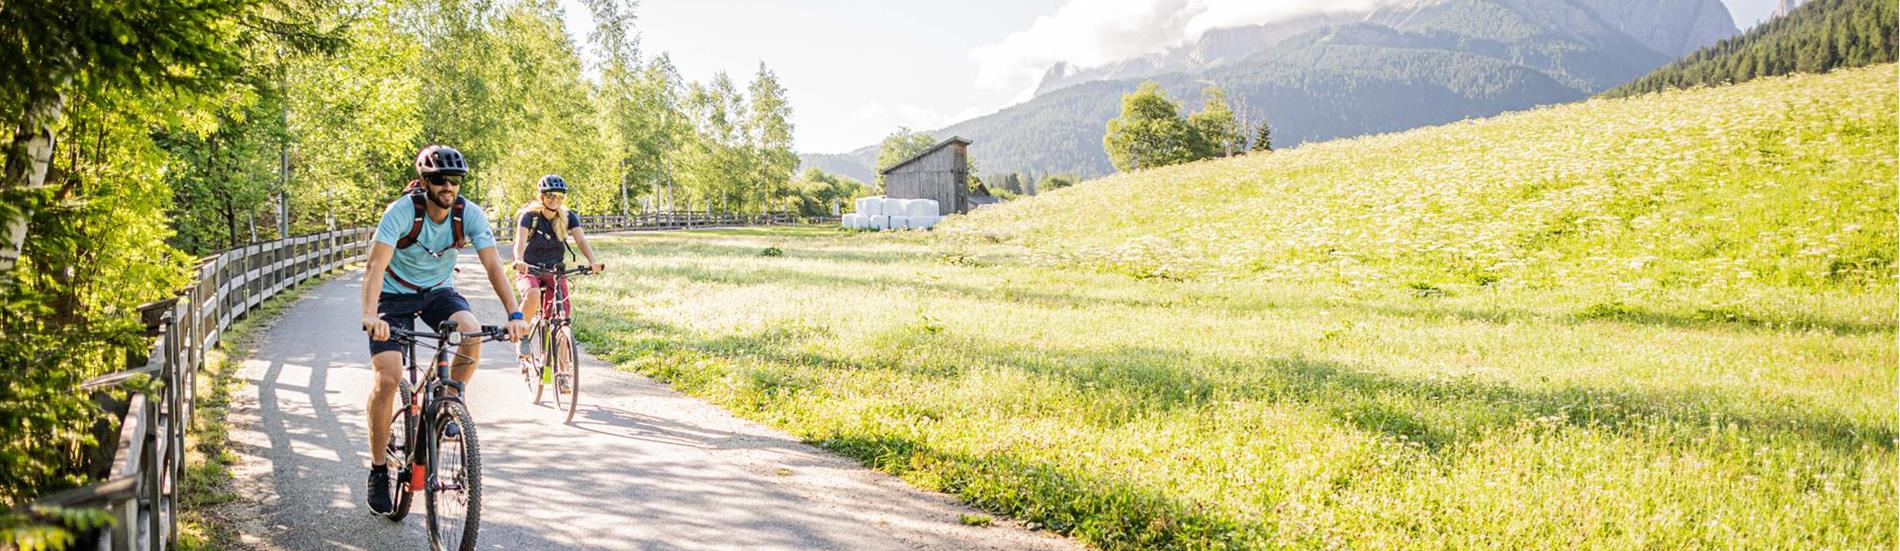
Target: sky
[{"x": 856, "y": 70}]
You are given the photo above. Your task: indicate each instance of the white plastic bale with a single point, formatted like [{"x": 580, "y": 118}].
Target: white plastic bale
[
  {"x": 871, "y": 206},
  {"x": 900, "y": 222},
  {"x": 849, "y": 221},
  {"x": 894, "y": 207},
  {"x": 921, "y": 207},
  {"x": 879, "y": 222},
  {"x": 924, "y": 222}
]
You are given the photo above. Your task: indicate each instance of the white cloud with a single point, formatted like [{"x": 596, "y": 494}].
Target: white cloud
[{"x": 1086, "y": 33}]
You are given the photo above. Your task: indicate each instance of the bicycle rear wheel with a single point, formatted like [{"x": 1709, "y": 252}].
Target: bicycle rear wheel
[
  {"x": 567, "y": 375},
  {"x": 455, "y": 485},
  {"x": 396, "y": 454}
]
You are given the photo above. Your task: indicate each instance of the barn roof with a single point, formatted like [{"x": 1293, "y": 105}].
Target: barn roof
[{"x": 924, "y": 153}]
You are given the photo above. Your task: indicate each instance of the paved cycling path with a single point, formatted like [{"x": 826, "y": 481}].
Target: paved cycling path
[{"x": 641, "y": 467}]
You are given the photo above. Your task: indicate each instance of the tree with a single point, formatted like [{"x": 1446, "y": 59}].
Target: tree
[
  {"x": 355, "y": 117},
  {"x": 630, "y": 122},
  {"x": 547, "y": 115},
  {"x": 92, "y": 93},
  {"x": 900, "y": 145},
  {"x": 1217, "y": 132},
  {"x": 1012, "y": 183},
  {"x": 672, "y": 131},
  {"x": 815, "y": 191},
  {"x": 1149, "y": 132},
  {"x": 54, "y": 50},
  {"x": 715, "y": 163},
  {"x": 770, "y": 129},
  {"x": 1054, "y": 182},
  {"x": 1263, "y": 136}
]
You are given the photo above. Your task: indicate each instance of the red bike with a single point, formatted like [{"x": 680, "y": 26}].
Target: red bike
[{"x": 553, "y": 358}]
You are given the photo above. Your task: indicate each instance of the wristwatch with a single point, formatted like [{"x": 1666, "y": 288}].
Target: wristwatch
[{"x": 512, "y": 316}]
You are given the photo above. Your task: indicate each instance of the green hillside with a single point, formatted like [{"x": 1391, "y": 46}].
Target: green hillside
[
  {"x": 1751, "y": 197},
  {"x": 1817, "y": 37},
  {"x": 1664, "y": 322}
]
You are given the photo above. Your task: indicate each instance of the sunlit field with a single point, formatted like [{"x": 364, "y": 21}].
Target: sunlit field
[{"x": 1660, "y": 322}]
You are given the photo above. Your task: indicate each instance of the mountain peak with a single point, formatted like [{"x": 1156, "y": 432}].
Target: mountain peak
[
  {"x": 1674, "y": 28},
  {"x": 1784, "y": 8}
]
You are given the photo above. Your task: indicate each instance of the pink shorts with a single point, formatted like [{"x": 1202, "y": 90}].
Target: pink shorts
[{"x": 544, "y": 282}]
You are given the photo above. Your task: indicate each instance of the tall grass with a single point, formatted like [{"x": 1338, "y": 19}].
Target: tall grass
[{"x": 1660, "y": 322}]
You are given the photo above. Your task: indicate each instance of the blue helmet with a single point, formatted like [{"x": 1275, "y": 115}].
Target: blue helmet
[{"x": 552, "y": 183}]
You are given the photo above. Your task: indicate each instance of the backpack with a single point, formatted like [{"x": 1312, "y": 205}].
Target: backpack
[{"x": 420, "y": 198}]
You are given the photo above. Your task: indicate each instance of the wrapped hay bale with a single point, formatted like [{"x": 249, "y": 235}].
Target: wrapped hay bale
[
  {"x": 900, "y": 222},
  {"x": 852, "y": 221},
  {"x": 920, "y": 207},
  {"x": 894, "y": 207},
  {"x": 879, "y": 222},
  {"x": 924, "y": 222},
  {"x": 871, "y": 206}
]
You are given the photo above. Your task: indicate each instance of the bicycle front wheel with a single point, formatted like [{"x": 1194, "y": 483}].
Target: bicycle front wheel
[
  {"x": 567, "y": 377},
  {"x": 455, "y": 486},
  {"x": 536, "y": 361}
]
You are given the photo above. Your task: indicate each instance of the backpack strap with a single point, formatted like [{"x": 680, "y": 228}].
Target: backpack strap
[
  {"x": 455, "y": 222},
  {"x": 415, "y": 228},
  {"x": 422, "y": 213},
  {"x": 416, "y": 288},
  {"x": 541, "y": 225}
]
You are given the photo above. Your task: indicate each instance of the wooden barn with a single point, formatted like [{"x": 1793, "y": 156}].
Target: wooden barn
[{"x": 941, "y": 173}]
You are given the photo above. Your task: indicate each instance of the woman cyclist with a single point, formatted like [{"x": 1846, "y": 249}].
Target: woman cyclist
[{"x": 541, "y": 234}]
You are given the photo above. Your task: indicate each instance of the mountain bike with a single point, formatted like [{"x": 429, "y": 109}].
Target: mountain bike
[
  {"x": 446, "y": 468},
  {"x": 553, "y": 356}
]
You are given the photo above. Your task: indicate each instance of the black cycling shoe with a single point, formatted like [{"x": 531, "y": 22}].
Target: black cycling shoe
[{"x": 379, "y": 501}]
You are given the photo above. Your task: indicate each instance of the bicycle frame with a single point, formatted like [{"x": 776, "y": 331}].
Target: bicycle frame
[
  {"x": 557, "y": 299},
  {"x": 556, "y": 311},
  {"x": 426, "y": 401}
]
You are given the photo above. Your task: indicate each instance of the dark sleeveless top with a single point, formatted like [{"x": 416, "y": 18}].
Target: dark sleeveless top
[{"x": 544, "y": 247}]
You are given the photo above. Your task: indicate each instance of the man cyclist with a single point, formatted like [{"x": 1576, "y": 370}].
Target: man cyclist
[
  {"x": 411, "y": 273},
  {"x": 540, "y": 241}
]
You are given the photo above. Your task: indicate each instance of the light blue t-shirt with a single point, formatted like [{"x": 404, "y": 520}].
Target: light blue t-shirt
[{"x": 415, "y": 264}]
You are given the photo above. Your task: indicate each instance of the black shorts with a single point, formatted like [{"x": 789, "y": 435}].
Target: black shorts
[{"x": 401, "y": 309}]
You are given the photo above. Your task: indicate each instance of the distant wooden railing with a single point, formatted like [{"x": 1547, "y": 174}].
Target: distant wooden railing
[
  {"x": 148, "y": 456},
  {"x": 687, "y": 220}
]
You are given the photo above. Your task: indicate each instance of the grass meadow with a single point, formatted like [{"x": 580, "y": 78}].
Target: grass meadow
[{"x": 1659, "y": 322}]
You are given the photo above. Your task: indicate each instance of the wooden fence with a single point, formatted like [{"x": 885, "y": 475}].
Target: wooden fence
[{"x": 148, "y": 456}]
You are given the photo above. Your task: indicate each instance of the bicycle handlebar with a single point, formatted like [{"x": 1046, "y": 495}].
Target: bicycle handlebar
[
  {"x": 544, "y": 270},
  {"x": 488, "y": 332}
]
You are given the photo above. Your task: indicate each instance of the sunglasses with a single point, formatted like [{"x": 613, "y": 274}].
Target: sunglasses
[{"x": 441, "y": 179}]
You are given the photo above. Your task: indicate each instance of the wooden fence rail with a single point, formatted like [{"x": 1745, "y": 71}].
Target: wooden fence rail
[{"x": 148, "y": 456}]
